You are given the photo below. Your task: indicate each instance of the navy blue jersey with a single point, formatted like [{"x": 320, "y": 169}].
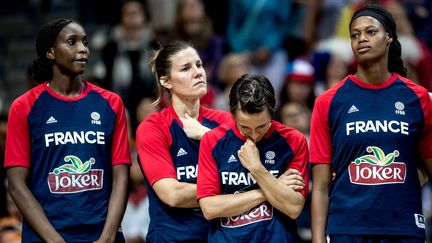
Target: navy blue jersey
[
  {"x": 165, "y": 151},
  {"x": 374, "y": 137},
  {"x": 70, "y": 146},
  {"x": 220, "y": 172}
]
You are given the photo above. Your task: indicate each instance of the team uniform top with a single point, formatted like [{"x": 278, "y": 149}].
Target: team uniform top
[
  {"x": 220, "y": 172},
  {"x": 165, "y": 151},
  {"x": 69, "y": 146},
  {"x": 373, "y": 137}
]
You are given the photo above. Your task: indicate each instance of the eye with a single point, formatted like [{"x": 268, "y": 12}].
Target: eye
[
  {"x": 71, "y": 42},
  {"x": 354, "y": 35},
  {"x": 85, "y": 42},
  {"x": 372, "y": 32},
  {"x": 199, "y": 65}
]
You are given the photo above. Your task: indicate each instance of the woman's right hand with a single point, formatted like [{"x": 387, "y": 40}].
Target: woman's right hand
[{"x": 193, "y": 128}]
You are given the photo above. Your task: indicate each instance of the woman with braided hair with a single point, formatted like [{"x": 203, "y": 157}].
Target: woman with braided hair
[
  {"x": 369, "y": 133},
  {"x": 252, "y": 173},
  {"x": 67, "y": 154}
]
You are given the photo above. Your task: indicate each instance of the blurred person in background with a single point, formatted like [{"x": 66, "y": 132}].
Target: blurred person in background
[
  {"x": 126, "y": 57},
  {"x": 231, "y": 68},
  {"x": 299, "y": 83}
]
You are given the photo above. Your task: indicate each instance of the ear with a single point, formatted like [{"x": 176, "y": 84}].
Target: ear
[
  {"x": 165, "y": 82},
  {"x": 389, "y": 40},
  {"x": 50, "y": 54}
]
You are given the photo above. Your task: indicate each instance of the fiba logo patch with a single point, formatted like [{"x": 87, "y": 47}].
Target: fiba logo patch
[
  {"x": 95, "y": 118},
  {"x": 399, "y": 108},
  {"x": 270, "y": 155}
]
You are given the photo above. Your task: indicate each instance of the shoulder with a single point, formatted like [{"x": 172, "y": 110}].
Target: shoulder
[
  {"x": 109, "y": 95},
  {"x": 288, "y": 132},
  {"x": 26, "y": 100},
  {"x": 218, "y": 115},
  {"x": 419, "y": 90}
]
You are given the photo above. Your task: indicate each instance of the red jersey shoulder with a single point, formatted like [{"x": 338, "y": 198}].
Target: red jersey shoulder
[
  {"x": 293, "y": 136},
  {"x": 328, "y": 95},
  {"x": 113, "y": 98},
  {"x": 217, "y": 115},
  {"x": 419, "y": 90},
  {"x": 27, "y": 99}
]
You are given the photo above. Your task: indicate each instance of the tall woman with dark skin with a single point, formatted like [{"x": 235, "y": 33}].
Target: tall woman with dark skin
[
  {"x": 369, "y": 133},
  {"x": 67, "y": 154}
]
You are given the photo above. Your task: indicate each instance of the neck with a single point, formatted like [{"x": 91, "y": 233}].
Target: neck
[
  {"x": 67, "y": 88},
  {"x": 191, "y": 107},
  {"x": 373, "y": 74}
]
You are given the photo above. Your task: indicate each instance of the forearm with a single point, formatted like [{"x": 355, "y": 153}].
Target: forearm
[
  {"x": 280, "y": 195},
  {"x": 230, "y": 204},
  {"x": 320, "y": 201},
  {"x": 117, "y": 203},
  {"x": 319, "y": 215},
  {"x": 31, "y": 209},
  {"x": 176, "y": 194}
]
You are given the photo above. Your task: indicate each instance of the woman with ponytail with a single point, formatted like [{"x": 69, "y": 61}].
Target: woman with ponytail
[{"x": 369, "y": 134}]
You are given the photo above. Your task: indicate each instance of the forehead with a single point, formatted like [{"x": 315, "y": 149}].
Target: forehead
[
  {"x": 184, "y": 56},
  {"x": 72, "y": 29},
  {"x": 252, "y": 120},
  {"x": 364, "y": 22}
]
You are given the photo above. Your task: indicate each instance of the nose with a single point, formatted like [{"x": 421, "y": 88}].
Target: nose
[
  {"x": 83, "y": 47},
  {"x": 198, "y": 71},
  {"x": 363, "y": 37},
  {"x": 254, "y": 136}
]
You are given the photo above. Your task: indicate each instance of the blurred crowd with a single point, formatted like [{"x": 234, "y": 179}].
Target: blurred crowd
[{"x": 302, "y": 46}]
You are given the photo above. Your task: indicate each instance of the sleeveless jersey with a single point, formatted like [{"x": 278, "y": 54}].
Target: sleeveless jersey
[
  {"x": 220, "y": 172},
  {"x": 69, "y": 146},
  {"x": 165, "y": 151},
  {"x": 374, "y": 137}
]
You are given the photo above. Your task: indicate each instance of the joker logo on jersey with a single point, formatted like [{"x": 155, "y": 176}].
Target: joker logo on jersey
[
  {"x": 377, "y": 168},
  {"x": 262, "y": 212},
  {"x": 75, "y": 177}
]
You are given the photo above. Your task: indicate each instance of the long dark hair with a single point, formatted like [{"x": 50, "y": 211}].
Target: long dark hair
[
  {"x": 41, "y": 69},
  {"x": 395, "y": 63}
]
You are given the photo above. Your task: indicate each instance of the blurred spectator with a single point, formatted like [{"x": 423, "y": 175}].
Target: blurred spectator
[
  {"x": 232, "y": 67},
  {"x": 259, "y": 28},
  {"x": 299, "y": 84},
  {"x": 295, "y": 115},
  {"x": 10, "y": 226},
  {"x": 162, "y": 14},
  {"x": 145, "y": 108},
  {"x": 337, "y": 68},
  {"x": 415, "y": 53},
  {"x": 194, "y": 26},
  {"x": 126, "y": 57}
]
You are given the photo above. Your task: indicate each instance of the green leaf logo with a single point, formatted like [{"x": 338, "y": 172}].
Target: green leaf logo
[
  {"x": 75, "y": 166},
  {"x": 378, "y": 157}
]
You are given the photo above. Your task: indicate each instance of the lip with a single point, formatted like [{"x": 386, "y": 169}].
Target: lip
[
  {"x": 363, "y": 49},
  {"x": 199, "y": 82}
]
